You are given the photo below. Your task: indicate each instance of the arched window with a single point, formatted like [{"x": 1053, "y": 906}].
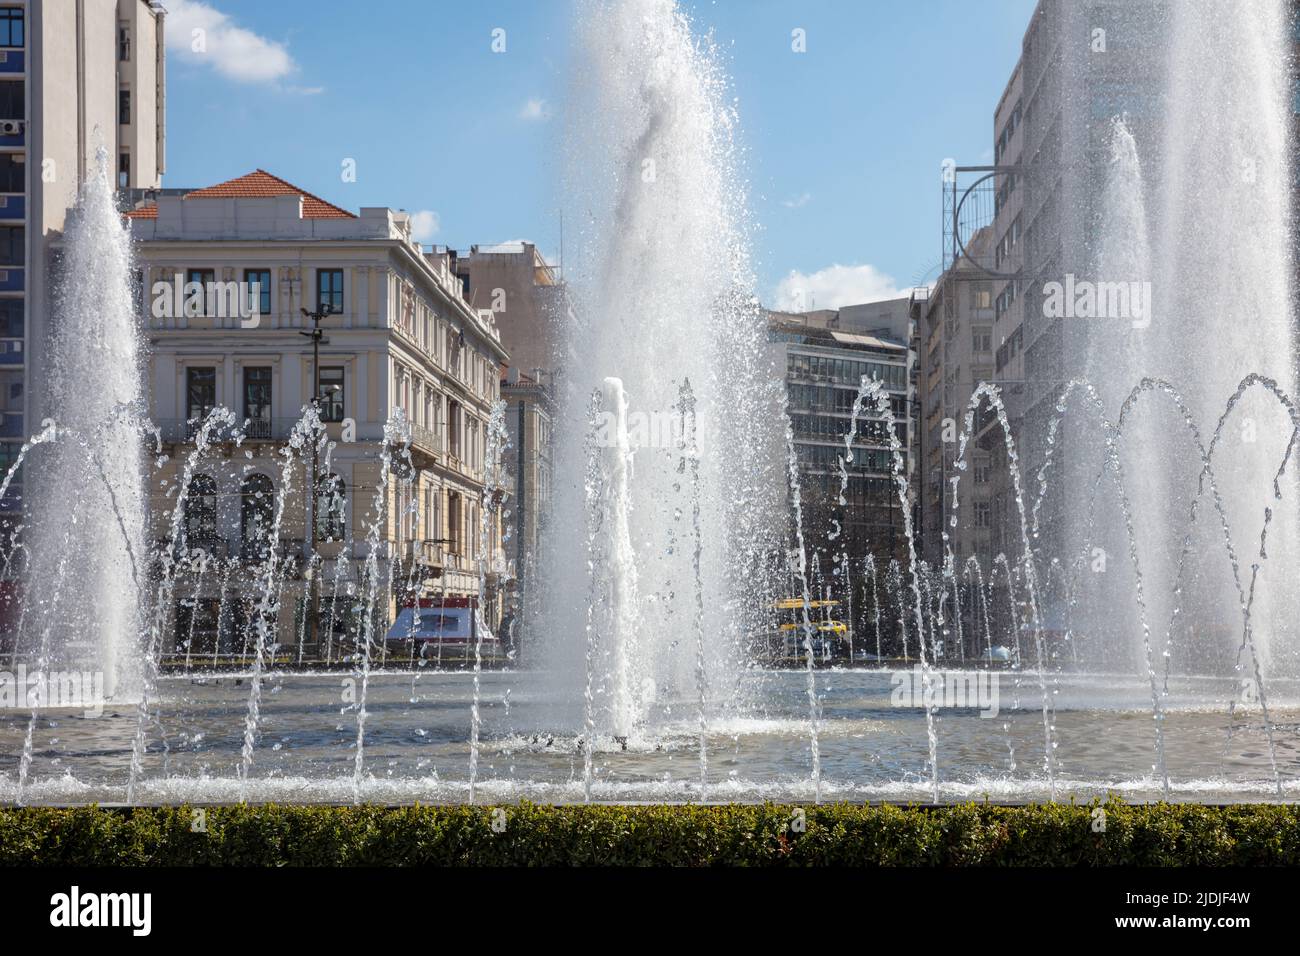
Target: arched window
[
  {"x": 331, "y": 508},
  {"x": 256, "y": 513},
  {"x": 200, "y": 516}
]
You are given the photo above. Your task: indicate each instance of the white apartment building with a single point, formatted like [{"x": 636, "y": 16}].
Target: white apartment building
[{"x": 401, "y": 336}]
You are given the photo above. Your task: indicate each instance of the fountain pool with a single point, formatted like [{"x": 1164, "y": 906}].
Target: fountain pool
[{"x": 417, "y": 744}]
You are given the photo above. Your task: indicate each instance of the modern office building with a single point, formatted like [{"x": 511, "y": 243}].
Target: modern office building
[
  {"x": 825, "y": 355},
  {"x": 400, "y": 336}
]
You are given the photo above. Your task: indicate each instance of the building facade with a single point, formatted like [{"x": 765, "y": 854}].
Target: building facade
[
  {"x": 955, "y": 321},
  {"x": 76, "y": 78},
  {"x": 529, "y": 303},
  {"x": 1081, "y": 65},
  {"x": 825, "y": 356},
  {"x": 530, "y": 422},
  {"x": 525, "y": 294},
  {"x": 401, "y": 345}
]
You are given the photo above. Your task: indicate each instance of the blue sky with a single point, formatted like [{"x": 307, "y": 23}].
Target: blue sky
[{"x": 844, "y": 141}]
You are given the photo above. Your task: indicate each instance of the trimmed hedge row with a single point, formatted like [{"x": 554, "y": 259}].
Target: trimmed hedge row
[{"x": 728, "y": 835}]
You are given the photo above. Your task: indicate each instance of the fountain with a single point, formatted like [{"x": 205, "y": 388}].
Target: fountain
[
  {"x": 87, "y": 512},
  {"x": 678, "y": 516},
  {"x": 662, "y": 294}
]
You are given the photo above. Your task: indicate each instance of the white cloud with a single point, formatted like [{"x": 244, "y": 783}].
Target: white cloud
[
  {"x": 834, "y": 287},
  {"x": 200, "y": 33},
  {"x": 534, "y": 110},
  {"x": 425, "y": 225},
  {"x": 797, "y": 202}
]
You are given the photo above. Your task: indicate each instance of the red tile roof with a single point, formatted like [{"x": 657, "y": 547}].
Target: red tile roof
[{"x": 258, "y": 184}]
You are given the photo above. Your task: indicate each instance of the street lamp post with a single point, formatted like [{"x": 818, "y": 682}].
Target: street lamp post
[{"x": 317, "y": 337}]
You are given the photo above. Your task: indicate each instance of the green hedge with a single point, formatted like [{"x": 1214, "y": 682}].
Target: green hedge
[{"x": 729, "y": 835}]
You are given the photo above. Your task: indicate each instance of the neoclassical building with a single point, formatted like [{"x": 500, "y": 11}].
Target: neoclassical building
[{"x": 226, "y": 275}]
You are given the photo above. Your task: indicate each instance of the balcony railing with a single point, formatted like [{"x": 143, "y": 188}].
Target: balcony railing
[
  {"x": 426, "y": 440},
  {"x": 428, "y": 553},
  {"x": 262, "y": 428},
  {"x": 258, "y": 429}
]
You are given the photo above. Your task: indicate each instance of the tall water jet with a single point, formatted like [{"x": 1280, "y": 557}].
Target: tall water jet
[
  {"x": 662, "y": 293},
  {"x": 620, "y": 561},
  {"x": 1186, "y": 204},
  {"x": 1119, "y": 356},
  {"x": 1224, "y": 289},
  {"x": 88, "y": 599}
]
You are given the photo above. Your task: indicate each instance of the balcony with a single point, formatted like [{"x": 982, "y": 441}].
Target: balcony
[
  {"x": 425, "y": 440},
  {"x": 261, "y": 429},
  {"x": 425, "y": 556},
  {"x": 182, "y": 431},
  {"x": 426, "y": 553}
]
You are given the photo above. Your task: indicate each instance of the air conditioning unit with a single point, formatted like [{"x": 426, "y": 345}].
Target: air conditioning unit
[{"x": 11, "y": 127}]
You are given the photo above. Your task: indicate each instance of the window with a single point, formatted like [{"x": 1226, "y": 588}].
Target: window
[
  {"x": 455, "y": 517},
  {"x": 11, "y": 27},
  {"x": 331, "y": 508},
  {"x": 124, "y": 42},
  {"x": 257, "y": 401},
  {"x": 9, "y": 458},
  {"x": 983, "y": 514},
  {"x": 123, "y": 170},
  {"x": 982, "y": 338},
  {"x": 453, "y": 429},
  {"x": 256, "y": 511},
  {"x": 329, "y": 394},
  {"x": 258, "y": 282},
  {"x": 11, "y": 406},
  {"x": 455, "y": 350},
  {"x": 200, "y": 392},
  {"x": 13, "y": 243},
  {"x": 11, "y": 318},
  {"x": 124, "y": 107},
  {"x": 329, "y": 290},
  {"x": 432, "y": 517},
  {"x": 13, "y": 104},
  {"x": 206, "y": 280},
  {"x": 981, "y": 471},
  {"x": 200, "y": 513},
  {"x": 13, "y": 168}
]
